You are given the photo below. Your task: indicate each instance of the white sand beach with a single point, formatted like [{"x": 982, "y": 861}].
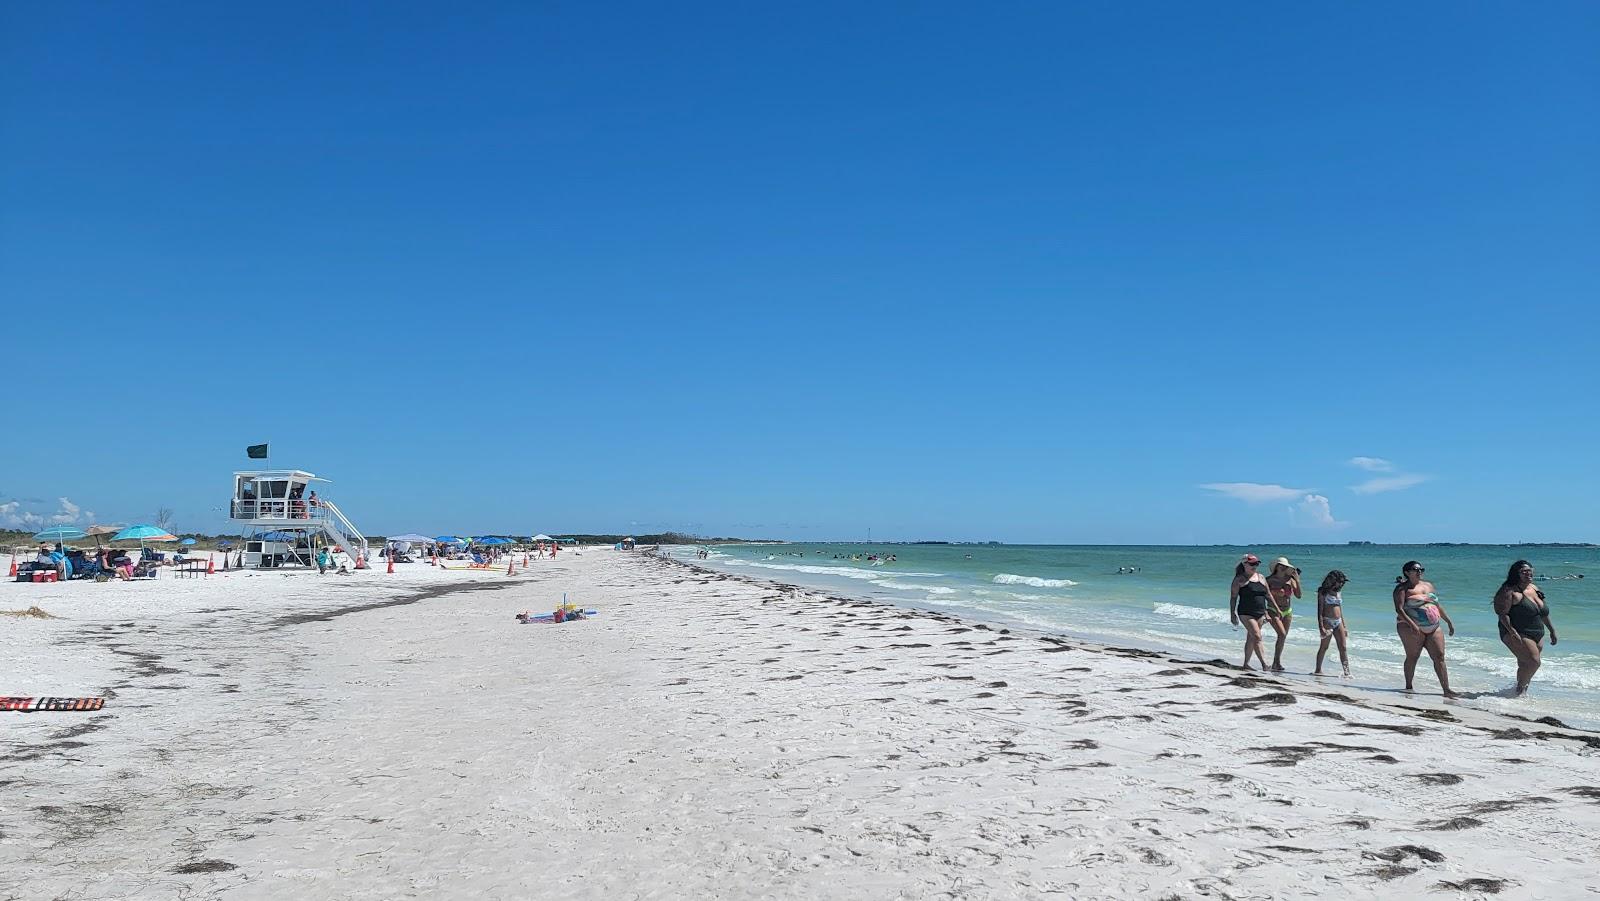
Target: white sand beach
[{"x": 285, "y": 735}]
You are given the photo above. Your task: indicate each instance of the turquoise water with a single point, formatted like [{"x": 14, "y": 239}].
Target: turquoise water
[{"x": 1178, "y": 600}]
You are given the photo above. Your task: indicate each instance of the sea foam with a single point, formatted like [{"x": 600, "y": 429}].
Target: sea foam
[
  {"x": 1182, "y": 611},
  {"x": 1035, "y": 581}
]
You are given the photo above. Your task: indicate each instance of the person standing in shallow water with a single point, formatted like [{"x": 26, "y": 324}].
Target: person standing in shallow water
[
  {"x": 1524, "y": 616},
  {"x": 1247, "y": 602},
  {"x": 1284, "y": 584},
  {"x": 1418, "y": 614}
]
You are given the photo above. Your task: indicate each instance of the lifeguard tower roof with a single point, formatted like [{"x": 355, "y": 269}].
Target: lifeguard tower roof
[{"x": 299, "y": 475}]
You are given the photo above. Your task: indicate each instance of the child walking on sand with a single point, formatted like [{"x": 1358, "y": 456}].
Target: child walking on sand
[{"x": 1330, "y": 619}]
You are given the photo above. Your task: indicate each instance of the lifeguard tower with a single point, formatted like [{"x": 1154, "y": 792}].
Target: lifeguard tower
[{"x": 283, "y": 521}]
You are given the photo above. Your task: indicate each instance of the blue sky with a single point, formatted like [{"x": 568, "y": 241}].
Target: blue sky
[{"x": 1028, "y": 273}]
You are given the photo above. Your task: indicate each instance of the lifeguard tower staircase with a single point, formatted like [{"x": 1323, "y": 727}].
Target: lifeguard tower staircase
[{"x": 283, "y": 520}]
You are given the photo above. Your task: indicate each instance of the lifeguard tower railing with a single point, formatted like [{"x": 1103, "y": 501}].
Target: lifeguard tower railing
[{"x": 298, "y": 513}]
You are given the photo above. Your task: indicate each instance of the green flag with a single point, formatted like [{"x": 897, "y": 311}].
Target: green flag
[{"x": 256, "y": 451}]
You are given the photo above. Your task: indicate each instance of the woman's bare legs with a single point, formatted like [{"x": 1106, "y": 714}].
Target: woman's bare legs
[
  {"x": 1528, "y": 653},
  {"x": 1411, "y": 640},
  {"x": 1280, "y": 624},
  {"x": 1252, "y": 640},
  {"x": 1435, "y": 646}
]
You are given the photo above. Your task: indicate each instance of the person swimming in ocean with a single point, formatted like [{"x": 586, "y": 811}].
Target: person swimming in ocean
[
  {"x": 1418, "y": 613},
  {"x": 1524, "y": 618},
  {"x": 1330, "y": 619},
  {"x": 1247, "y": 603}
]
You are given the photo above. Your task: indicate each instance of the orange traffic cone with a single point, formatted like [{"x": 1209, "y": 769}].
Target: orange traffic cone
[
  {"x": 13, "y": 566},
  {"x": 211, "y": 565},
  {"x": 361, "y": 561},
  {"x": 391, "y": 564},
  {"x": 511, "y": 565}
]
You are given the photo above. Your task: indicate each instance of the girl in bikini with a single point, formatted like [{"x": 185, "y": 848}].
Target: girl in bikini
[
  {"x": 1284, "y": 584},
  {"x": 1418, "y": 614},
  {"x": 1330, "y": 619},
  {"x": 1247, "y": 601},
  {"x": 1524, "y": 617}
]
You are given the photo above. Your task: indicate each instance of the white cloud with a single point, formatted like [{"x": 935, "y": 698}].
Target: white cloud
[
  {"x": 1388, "y": 483},
  {"x": 12, "y": 516},
  {"x": 1255, "y": 492},
  {"x": 1372, "y": 464},
  {"x": 69, "y": 512},
  {"x": 1313, "y": 511}
]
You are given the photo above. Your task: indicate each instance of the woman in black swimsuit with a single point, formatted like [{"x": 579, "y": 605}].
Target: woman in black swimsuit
[
  {"x": 1524, "y": 617},
  {"x": 1247, "y": 601}
]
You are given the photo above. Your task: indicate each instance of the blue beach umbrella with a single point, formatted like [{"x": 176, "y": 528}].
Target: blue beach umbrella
[
  {"x": 60, "y": 533},
  {"x": 492, "y": 540},
  {"x": 143, "y": 533},
  {"x": 449, "y": 539},
  {"x": 187, "y": 542}
]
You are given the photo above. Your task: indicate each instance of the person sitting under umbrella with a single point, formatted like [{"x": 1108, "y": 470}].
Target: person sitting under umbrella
[
  {"x": 117, "y": 563},
  {"x": 59, "y": 561}
]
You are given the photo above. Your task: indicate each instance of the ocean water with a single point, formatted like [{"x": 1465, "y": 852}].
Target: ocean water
[{"x": 1178, "y": 601}]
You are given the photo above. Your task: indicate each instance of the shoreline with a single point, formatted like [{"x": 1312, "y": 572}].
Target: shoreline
[
  {"x": 718, "y": 735},
  {"x": 1420, "y": 704},
  {"x": 1551, "y": 704}
]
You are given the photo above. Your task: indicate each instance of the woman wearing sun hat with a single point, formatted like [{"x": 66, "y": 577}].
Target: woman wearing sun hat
[
  {"x": 1284, "y": 583},
  {"x": 1247, "y": 602}
]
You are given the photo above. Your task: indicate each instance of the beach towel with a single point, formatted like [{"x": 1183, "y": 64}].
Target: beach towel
[{"x": 31, "y": 705}]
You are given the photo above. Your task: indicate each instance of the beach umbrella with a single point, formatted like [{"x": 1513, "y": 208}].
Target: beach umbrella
[
  {"x": 493, "y": 539},
  {"x": 95, "y": 531},
  {"x": 541, "y": 538},
  {"x": 449, "y": 539},
  {"x": 410, "y": 536},
  {"x": 60, "y": 533},
  {"x": 187, "y": 542},
  {"x": 143, "y": 533}
]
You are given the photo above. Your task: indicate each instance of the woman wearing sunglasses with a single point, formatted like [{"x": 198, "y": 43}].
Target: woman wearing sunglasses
[
  {"x": 1524, "y": 617},
  {"x": 1247, "y": 601},
  {"x": 1417, "y": 616}
]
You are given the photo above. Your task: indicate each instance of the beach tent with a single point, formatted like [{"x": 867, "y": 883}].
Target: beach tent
[{"x": 413, "y": 537}]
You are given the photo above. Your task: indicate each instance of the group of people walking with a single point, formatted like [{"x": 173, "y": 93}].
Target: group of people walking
[{"x": 1256, "y": 602}]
